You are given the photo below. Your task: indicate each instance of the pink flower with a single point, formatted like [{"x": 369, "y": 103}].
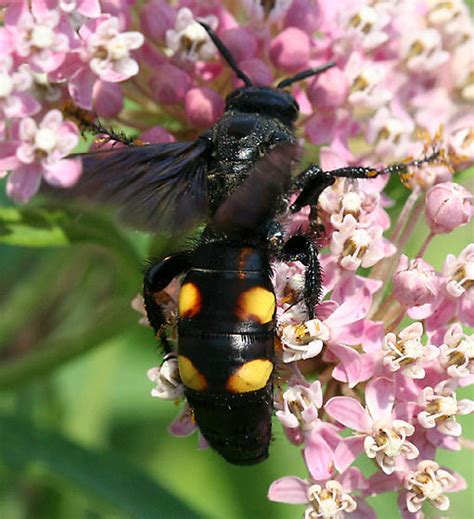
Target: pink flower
[
  {"x": 298, "y": 407},
  {"x": 39, "y": 37},
  {"x": 428, "y": 482},
  {"x": 290, "y": 50},
  {"x": 325, "y": 496},
  {"x": 102, "y": 53},
  {"x": 303, "y": 341},
  {"x": 270, "y": 13},
  {"x": 406, "y": 352},
  {"x": 381, "y": 435},
  {"x": 40, "y": 152},
  {"x": 389, "y": 131},
  {"x": 14, "y": 84},
  {"x": 357, "y": 247},
  {"x": 422, "y": 51},
  {"x": 169, "y": 84},
  {"x": 460, "y": 272},
  {"x": 189, "y": 39},
  {"x": 414, "y": 282},
  {"x": 441, "y": 408},
  {"x": 89, "y": 8},
  {"x": 168, "y": 385},
  {"x": 366, "y": 82},
  {"x": 364, "y": 25},
  {"x": 203, "y": 106},
  {"x": 448, "y": 206},
  {"x": 456, "y": 354}
]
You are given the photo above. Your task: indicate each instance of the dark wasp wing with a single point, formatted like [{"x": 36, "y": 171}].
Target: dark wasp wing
[
  {"x": 258, "y": 197},
  {"x": 156, "y": 187}
]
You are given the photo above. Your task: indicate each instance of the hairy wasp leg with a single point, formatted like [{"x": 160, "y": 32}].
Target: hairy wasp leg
[
  {"x": 157, "y": 278},
  {"x": 301, "y": 248},
  {"x": 313, "y": 181}
]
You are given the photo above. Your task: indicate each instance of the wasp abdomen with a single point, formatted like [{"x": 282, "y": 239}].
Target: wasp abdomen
[{"x": 225, "y": 349}]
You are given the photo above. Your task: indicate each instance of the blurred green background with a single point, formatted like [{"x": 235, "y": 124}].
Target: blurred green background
[{"x": 80, "y": 435}]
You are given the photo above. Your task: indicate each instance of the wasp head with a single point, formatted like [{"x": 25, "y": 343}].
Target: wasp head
[{"x": 269, "y": 101}]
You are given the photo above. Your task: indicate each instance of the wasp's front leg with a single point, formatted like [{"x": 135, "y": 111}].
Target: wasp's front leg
[
  {"x": 302, "y": 248},
  {"x": 157, "y": 278}
]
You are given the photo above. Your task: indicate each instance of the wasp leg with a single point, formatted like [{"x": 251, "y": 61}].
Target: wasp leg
[
  {"x": 313, "y": 180},
  {"x": 157, "y": 278},
  {"x": 301, "y": 248}
]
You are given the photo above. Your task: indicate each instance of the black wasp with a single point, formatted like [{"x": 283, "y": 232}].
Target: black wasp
[{"x": 237, "y": 177}]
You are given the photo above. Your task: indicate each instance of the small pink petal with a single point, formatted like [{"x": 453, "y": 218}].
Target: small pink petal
[
  {"x": 64, "y": 173},
  {"x": 363, "y": 511},
  {"x": 380, "y": 483},
  {"x": 183, "y": 424},
  {"x": 108, "y": 99},
  {"x": 8, "y": 158},
  {"x": 351, "y": 368},
  {"x": 89, "y": 8},
  {"x": 353, "y": 480},
  {"x": 203, "y": 106},
  {"x": 379, "y": 398},
  {"x": 289, "y": 489},
  {"x": 23, "y": 183},
  {"x": 349, "y": 412},
  {"x": 81, "y": 87},
  {"x": 157, "y": 134},
  {"x": 319, "y": 458},
  {"x": 347, "y": 451}
]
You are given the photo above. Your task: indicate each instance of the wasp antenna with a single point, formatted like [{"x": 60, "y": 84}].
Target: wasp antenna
[
  {"x": 226, "y": 54},
  {"x": 306, "y": 73}
]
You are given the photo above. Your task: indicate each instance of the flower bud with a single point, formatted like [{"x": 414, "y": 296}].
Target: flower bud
[
  {"x": 241, "y": 43},
  {"x": 290, "y": 50},
  {"x": 203, "y": 106},
  {"x": 414, "y": 282},
  {"x": 448, "y": 205},
  {"x": 169, "y": 84}
]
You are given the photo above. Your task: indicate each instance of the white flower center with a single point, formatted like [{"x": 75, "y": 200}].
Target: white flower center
[
  {"x": 357, "y": 244},
  {"x": 365, "y": 19},
  {"x": 42, "y": 36},
  {"x": 389, "y": 441},
  {"x": 443, "y": 406},
  {"x": 330, "y": 502},
  {"x": 6, "y": 85},
  {"x": 117, "y": 49},
  {"x": 45, "y": 139},
  {"x": 351, "y": 203}
]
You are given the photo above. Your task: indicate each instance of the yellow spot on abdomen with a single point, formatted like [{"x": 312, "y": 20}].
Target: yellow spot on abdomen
[
  {"x": 251, "y": 376},
  {"x": 256, "y": 304},
  {"x": 190, "y": 300},
  {"x": 190, "y": 375}
]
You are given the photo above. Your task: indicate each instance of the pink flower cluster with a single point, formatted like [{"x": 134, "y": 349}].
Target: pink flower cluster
[
  {"x": 401, "y": 67},
  {"x": 52, "y": 52}
]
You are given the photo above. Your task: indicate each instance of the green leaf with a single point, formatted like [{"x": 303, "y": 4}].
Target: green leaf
[
  {"x": 31, "y": 227},
  {"x": 100, "y": 473},
  {"x": 56, "y": 226}
]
